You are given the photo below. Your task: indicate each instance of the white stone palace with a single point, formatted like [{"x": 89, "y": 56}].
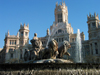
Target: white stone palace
[{"x": 15, "y": 46}]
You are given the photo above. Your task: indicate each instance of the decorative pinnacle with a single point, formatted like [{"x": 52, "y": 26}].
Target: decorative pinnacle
[
  {"x": 28, "y": 25},
  {"x": 94, "y": 14},
  {"x": 20, "y": 23},
  {"x": 47, "y": 31},
  {"x": 90, "y": 14},
  {"x": 8, "y": 32},
  {"x": 24, "y": 24}
]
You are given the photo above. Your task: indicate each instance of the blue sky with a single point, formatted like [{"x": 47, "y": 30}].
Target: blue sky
[{"x": 40, "y": 15}]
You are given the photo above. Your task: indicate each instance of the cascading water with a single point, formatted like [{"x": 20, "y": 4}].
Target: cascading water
[{"x": 78, "y": 52}]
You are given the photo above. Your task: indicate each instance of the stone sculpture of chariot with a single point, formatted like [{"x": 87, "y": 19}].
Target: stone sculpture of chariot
[{"x": 52, "y": 52}]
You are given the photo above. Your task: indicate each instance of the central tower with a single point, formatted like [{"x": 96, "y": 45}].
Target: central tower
[{"x": 61, "y": 13}]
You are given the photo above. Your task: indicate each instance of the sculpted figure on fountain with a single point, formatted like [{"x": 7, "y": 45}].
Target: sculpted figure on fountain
[{"x": 51, "y": 52}]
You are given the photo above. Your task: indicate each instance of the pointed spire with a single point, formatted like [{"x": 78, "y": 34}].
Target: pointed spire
[
  {"x": 47, "y": 31},
  {"x": 20, "y": 25},
  {"x": 24, "y": 24},
  {"x": 28, "y": 25},
  {"x": 8, "y": 33},
  {"x": 90, "y": 14},
  {"x": 94, "y": 14}
]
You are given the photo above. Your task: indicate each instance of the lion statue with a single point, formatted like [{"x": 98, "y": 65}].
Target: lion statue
[
  {"x": 51, "y": 51},
  {"x": 63, "y": 49}
]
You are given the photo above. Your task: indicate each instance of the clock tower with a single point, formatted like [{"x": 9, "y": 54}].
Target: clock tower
[{"x": 61, "y": 13}]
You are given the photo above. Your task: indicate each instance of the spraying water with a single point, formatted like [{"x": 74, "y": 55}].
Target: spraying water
[
  {"x": 78, "y": 52},
  {"x": 54, "y": 29}
]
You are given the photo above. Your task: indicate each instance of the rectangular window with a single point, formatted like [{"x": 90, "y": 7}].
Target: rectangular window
[
  {"x": 10, "y": 42},
  {"x": 96, "y": 51},
  {"x": 26, "y": 33},
  {"x": 57, "y": 39},
  {"x": 59, "y": 17},
  {"x": 91, "y": 50},
  {"x": 95, "y": 44},
  {"x": 15, "y": 42},
  {"x": 21, "y": 33},
  {"x": 59, "y": 20},
  {"x": 72, "y": 39},
  {"x": 94, "y": 24},
  {"x": 62, "y": 39},
  {"x": 42, "y": 42},
  {"x": 11, "y": 55}
]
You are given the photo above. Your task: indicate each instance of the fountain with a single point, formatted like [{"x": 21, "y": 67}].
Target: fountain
[
  {"x": 51, "y": 66},
  {"x": 78, "y": 52},
  {"x": 38, "y": 54}
]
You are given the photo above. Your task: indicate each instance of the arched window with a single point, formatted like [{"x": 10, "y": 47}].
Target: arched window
[
  {"x": 60, "y": 31},
  {"x": 10, "y": 50},
  {"x": 21, "y": 33}
]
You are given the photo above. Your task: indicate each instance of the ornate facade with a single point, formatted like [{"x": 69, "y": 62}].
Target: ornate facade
[{"x": 60, "y": 30}]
